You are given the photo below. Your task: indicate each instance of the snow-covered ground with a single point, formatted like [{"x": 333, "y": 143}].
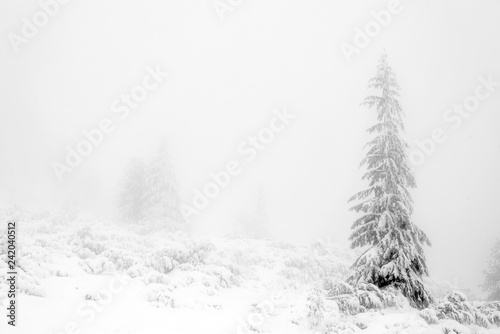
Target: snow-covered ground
[{"x": 92, "y": 276}]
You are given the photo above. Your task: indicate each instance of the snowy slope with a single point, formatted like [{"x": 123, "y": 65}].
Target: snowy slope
[{"x": 92, "y": 276}]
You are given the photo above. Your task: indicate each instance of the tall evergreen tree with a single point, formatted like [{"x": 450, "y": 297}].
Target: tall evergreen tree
[
  {"x": 162, "y": 196},
  {"x": 131, "y": 200},
  {"x": 492, "y": 274},
  {"x": 395, "y": 255}
]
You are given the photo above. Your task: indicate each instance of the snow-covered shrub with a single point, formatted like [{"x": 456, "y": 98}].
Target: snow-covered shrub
[
  {"x": 186, "y": 267},
  {"x": 137, "y": 270},
  {"x": 225, "y": 278},
  {"x": 315, "y": 308},
  {"x": 394, "y": 298},
  {"x": 45, "y": 228},
  {"x": 123, "y": 259},
  {"x": 245, "y": 257},
  {"x": 370, "y": 296},
  {"x": 491, "y": 310},
  {"x": 353, "y": 300},
  {"x": 28, "y": 282},
  {"x": 429, "y": 315},
  {"x": 162, "y": 263},
  {"x": 84, "y": 232},
  {"x": 85, "y": 253},
  {"x": 30, "y": 288},
  {"x": 456, "y": 307},
  {"x": 336, "y": 287},
  {"x": 342, "y": 327},
  {"x": 154, "y": 277},
  {"x": 95, "y": 246},
  {"x": 85, "y": 238},
  {"x": 201, "y": 251},
  {"x": 15, "y": 212},
  {"x": 175, "y": 254},
  {"x": 283, "y": 245},
  {"x": 453, "y": 327},
  {"x": 160, "y": 296},
  {"x": 97, "y": 266}
]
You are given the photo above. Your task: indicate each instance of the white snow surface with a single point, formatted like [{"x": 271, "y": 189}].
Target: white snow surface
[{"x": 97, "y": 277}]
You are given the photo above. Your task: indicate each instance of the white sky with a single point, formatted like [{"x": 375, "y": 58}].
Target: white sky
[{"x": 225, "y": 79}]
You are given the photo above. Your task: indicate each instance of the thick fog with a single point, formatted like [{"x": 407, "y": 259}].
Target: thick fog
[{"x": 217, "y": 76}]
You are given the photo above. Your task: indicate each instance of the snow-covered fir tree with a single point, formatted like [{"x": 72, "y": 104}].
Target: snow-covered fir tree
[
  {"x": 162, "y": 200},
  {"x": 395, "y": 255},
  {"x": 491, "y": 283},
  {"x": 131, "y": 200}
]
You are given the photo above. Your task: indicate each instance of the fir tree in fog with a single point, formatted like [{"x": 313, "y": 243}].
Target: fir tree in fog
[
  {"x": 395, "y": 256},
  {"x": 162, "y": 200},
  {"x": 253, "y": 222},
  {"x": 150, "y": 192},
  {"x": 131, "y": 199},
  {"x": 491, "y": 283}
]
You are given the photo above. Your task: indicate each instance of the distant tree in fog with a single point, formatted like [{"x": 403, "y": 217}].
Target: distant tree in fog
[
  {"x": 162, "y": 200},
  {"x": 131, "y": 200},
  {"x": 395, "y": 255},
  {"x": 150, "y": 194},
  {"x": 261, "y": 214},
  {"x": 491, "y": 283},
  {"x": 253, "y": 222}
]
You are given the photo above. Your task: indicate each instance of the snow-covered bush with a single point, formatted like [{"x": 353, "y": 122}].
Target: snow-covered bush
[
  {"x": 160, "y": 296},
  {"x": 245, "y": 257},
  {"x": 342, "y": 327},
  {"x": 161, "y": 263},
  {"x": 225, "y": 278},
  {"x": 491, "y": 310},
  {"x": 85, "y": 253},
  {"x": 176, "y": 253},
  {"x": 336, "y": 287},
  {"x": 86, "y": 238},
  {"x": 201, "y": 251},
  {"x": 429, "y": 315},
  {"x": 123, "y": 259},
  {"x": 97, "y": 266},
  {"x": 453, "y": 327},
  {"x": 353, "y": 300},
  {"x": 28, "y": 281},
  {"x": 315, "y": 308},
  {"x": 137, "y": 270},
  {"x": 154, "y": 277},
  {"x": 283, "y": 245},
  {"x": 456, "y": 307}
]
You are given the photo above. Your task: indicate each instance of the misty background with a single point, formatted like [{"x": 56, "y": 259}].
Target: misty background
[{"x": 225, "y": 79}]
